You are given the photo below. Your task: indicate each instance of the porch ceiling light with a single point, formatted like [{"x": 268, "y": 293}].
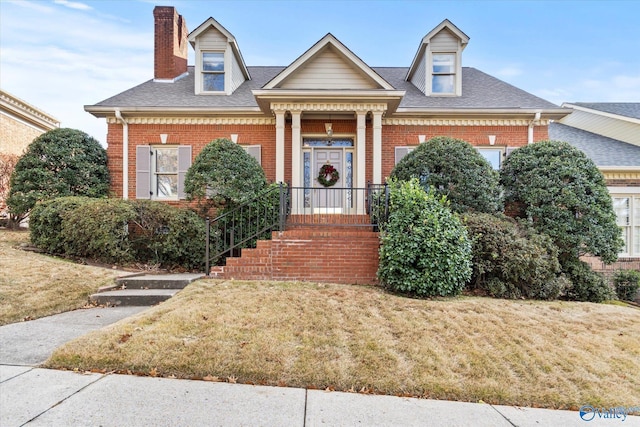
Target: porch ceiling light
[{"x": 329, "y": 128}]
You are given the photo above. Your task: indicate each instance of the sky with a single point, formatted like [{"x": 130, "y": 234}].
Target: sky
[{"x": 60, "y": 55}]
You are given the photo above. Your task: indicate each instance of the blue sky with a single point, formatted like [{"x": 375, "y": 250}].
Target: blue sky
[{"x": 60, "y": 55}]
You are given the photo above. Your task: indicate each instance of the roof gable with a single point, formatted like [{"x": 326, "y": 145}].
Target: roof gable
[
  {"x": 444, "y": 30},
  {"x": 211, "y": 27},
  {"x": 328, "y": 65}
]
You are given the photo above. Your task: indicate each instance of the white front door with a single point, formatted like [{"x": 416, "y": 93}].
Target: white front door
[{"x": 328, "y": 199}]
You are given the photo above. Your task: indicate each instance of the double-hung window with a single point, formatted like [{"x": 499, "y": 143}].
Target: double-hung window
[
  {"x": 627, "y": 209},
  {"x": 160, "y": 171},
  {"x": 493, "y": 156},
  {"x": 213, "y": 71},
  {"x": 443, "y": 73}
]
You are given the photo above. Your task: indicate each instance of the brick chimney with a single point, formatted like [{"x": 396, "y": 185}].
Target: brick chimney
[{"x": 171, "y": 46}]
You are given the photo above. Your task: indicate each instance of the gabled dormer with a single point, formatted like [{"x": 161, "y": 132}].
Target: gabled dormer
[
  {"x": 437, "y": 67},
  {"x": 219, "y": 68}
]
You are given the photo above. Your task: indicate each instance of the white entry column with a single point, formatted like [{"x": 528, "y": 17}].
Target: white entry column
[
  {"x": 361, "y": 155},
  {"x": 296, "y": 150},
  {"x": 377, "y": 147},
  {"x": 280, "y": 145}
]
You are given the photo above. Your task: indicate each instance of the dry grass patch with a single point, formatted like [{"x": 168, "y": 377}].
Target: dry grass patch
[
  {"x": 549, "y": 354},
  {"x": 34, "y": 285}
]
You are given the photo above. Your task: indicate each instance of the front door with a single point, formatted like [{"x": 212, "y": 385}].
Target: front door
[{"x": 328, "y": 199}]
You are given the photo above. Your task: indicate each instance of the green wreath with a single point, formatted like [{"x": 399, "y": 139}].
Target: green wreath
[{"x": 325, "y": 171}]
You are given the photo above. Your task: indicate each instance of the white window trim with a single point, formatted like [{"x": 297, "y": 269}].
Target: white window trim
[
  {"x": 199, "y": 81},
  {"x": 634, "y": 197},
  {"x": 457, "y": 74},
  {"x": 501, "y": 150},
  {"x": 407, "y": 148},
  {"x": 154, "y": 174},
  {"x": 248, "y": 148}
]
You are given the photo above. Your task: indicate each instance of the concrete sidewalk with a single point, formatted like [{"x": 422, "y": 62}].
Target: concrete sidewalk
[{"x": 42, "y": 397}]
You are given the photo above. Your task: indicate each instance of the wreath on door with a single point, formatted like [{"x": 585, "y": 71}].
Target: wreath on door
[{"x": 328, "y": 171}]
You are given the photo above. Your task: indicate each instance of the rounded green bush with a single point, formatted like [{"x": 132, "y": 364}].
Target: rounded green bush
[
  {"x": 559, "y": 190},
  {"x": 586, "y": 284},
  {"x": 511, "y": 260},
  {"x": 453, "y": 168},
  {"x": 61, "y": 162},
  {"x": 223, "y": 175},
  {"x": 627, "y": 283},
  {"x": 425, "y": 250},
  {"x": 45, "y": 222}
]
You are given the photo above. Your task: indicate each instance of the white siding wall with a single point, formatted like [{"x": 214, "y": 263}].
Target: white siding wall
[
  {"x": 444, "y": 41},
  {"x": 237, "y": 78},
  {"x": 607, "y": 126},
  {"x": 328, "y": 71},
  {"x": 419, "y": 78},
  {"x": 212, "y": 39}
]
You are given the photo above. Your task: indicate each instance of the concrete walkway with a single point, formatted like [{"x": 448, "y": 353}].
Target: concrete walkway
[{"x": 42, "y": 397}]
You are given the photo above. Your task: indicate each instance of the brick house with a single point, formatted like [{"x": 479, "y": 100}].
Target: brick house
[{"x": 327, "y": 106}]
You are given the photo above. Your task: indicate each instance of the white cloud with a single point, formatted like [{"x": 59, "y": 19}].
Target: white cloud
[
  {"x": 509, "y": 71},
  {"x": 73, "y": 4}
]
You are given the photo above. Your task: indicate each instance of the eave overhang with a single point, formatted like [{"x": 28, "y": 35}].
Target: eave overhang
[
  {"x": 102, "y": 111},
  {"x": 530, "y": 113},
  {"x": 391, "y": 98}
]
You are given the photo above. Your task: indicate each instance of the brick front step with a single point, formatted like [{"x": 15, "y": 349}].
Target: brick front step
[{"x": 337, "y": 255}]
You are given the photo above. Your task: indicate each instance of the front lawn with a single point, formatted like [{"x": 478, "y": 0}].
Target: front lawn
[
  {"x": 34, "y": 285},
  {"x": 357, "y": 338}
]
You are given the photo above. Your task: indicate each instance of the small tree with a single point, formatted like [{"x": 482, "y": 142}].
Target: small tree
[
  {"x": 453, "y": 168},
  {"x": 425, "y": 250},
  {"x": 7, "y": 165},
  {"x": 61, "y": 162},
  {"x": 563, "y": 194},
  {"x": 223, "y": 175}
]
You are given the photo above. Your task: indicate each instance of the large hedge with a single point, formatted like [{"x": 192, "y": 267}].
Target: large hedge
[
  {"x": 120, "y": 231},
  {"x": 454, "y": 169},
  {"x": 223, "y": 175},
  {"x": 61, "y": 162},
  {"x": 425, "y": 249},
  {"x": 559, "y": 190},
  {"x": 511, "y": 260}
]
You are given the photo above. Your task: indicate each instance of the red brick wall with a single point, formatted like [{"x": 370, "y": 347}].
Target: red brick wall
[
  {"x": 264, "y": 135},
  {"x": 170, "y": 43}
]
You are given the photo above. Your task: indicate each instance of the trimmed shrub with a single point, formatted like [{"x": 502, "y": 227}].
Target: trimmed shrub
[
  {"x": 564, "y": 195},
  {"x": 45, "y": 222},
  {"x": 61, "y": 162},
  {"x": 223, "y": 175},
  {"x": 120, "y": 231},
  {"x": 627, "y": 283},
  {"x": 586, "y": 284},
  {"x": 425, "y": 250},
  {"x": 100, "y": 230},
  {"x": 512, "y": 261},
  {"x": 453, "y": 168}
]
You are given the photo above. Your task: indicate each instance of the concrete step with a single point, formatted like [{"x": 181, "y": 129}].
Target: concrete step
[
  {"x": 133, "y": 297},
  {"x": 158, "y": 281}
]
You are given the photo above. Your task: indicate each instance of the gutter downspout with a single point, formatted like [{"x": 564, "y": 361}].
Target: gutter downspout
[
  {"x": 532, "y": 123},
  {"x": 125, "y": 154}
]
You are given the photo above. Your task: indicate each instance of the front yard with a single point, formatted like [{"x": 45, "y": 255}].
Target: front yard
[
  {"x": 356, "y": 338},
  {"x": 34, "y": 285}
]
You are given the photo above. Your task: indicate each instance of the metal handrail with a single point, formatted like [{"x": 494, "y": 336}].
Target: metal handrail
[{"x": 256, "y": 219}]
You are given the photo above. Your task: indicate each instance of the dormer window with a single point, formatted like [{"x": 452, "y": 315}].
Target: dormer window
[
  {"x": 213, "y": 71},
  {"x": 443, "y": 79}
]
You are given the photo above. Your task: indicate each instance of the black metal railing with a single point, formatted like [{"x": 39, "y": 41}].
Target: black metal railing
[{"x": 280, "y": 206}]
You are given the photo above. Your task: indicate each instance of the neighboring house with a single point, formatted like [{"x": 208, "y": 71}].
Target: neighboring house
[
  {"x": 21, "y": 123},
  {"x": 609, "y": 133},
  {"x": 326, "y": 107}
]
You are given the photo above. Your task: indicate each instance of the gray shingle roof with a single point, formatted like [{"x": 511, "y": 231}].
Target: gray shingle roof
[
  {"x": 627, "y": 109},
  {"x": 479, "y": 90},
  {"x": 602, "y": 150}
]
